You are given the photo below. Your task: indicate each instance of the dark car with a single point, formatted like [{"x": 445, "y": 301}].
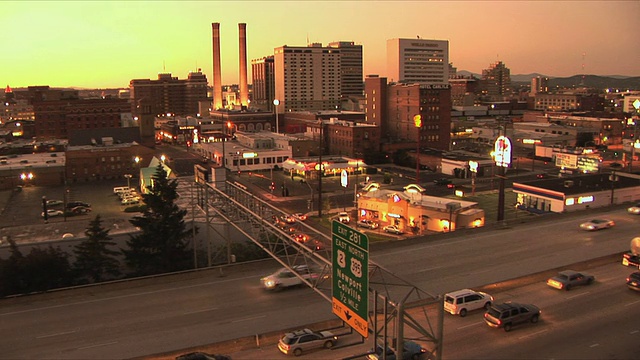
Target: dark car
[
  {"x": 633, "y": 281},
  {"x": 202, "y": 356},
  {"x": 508, "y": 314},
  {"x": 442, "y": 181},
  {"x": 411, "y": 350},
  {"x": 630, "y": 259},
  {"x": 73, "y": 204},
  {"x": 567, "y": 279}
]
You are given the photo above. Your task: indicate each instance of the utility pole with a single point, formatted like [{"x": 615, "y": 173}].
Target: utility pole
[{"x": 320, "y": 171}]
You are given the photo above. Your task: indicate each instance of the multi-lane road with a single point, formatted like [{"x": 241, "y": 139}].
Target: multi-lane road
[{"x": 168, "y": 313}]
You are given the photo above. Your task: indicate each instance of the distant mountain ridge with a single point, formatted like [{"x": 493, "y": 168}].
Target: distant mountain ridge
[{"x": 594, "y": 81}]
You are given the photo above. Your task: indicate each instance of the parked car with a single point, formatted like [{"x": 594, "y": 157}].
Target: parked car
[
  {"x": 633, "y": 281},
  {"x": 393, "y": 229},
  {"x": 130, "y": 200},
  {"x": 631, "y": 259},
  {"x": 285, "y": 278},
  {"x": 508, "y": 314},
  {"x": 54, "y": 202},
  {"x": 300, "y": 341},
  {"x": 597, "y": 224},
  {"x": 369, "y": 224},
  {"x": 411, "y": 350},
  {"x": 72, "y": 204},
  {"x": 344, "y": 218},
  {"x": 202, "y": 356},
  {"x": 461, "y": 301},
  {"x": 635, "y": 209},
  {"x": 78, "y": 210},
  {"x": 52, "y": 213},
  {"x": 567, "y": 279}
]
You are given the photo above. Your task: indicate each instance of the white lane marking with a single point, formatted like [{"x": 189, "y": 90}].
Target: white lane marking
[
  {"x": 249, "y": 318},
  {"x": 533, "y": 334},
  {"x": 470, "y": 325},
  {"x": 429, "y": 269},
  {"x": 577, "y": 295},
  {"x": 199, "y": 311},
  {"x": 594, "y": 345},
  {"x": 126, "y": 296},
  {"x": 56, "y": 334},
  {"x": 632, "y": 303},
  {"x": 97, "y": 345}
]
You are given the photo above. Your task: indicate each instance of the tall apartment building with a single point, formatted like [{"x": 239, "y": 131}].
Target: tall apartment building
[
  {"x": 496, "y": 81},
  {"x": 168, "y": 94},
  {"x": 419, "y": 61},
  {"x": 264, "y": 87},
  {"x": 350, "y": 67},
  {"x": 376, "y": 101},
  {"x": 307, "y": 78},
  {"x": 539, "y": 84}
]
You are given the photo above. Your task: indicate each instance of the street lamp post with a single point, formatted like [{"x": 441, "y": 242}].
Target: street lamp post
[
  {"x": 417, "y": 121},
  {"x": 128, "y": 177},
  {"x": 636, "y": 105},
  {"x": 276, "y": 102}
]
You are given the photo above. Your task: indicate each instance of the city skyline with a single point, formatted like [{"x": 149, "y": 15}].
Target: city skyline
[{"x": 97, "y": 44}]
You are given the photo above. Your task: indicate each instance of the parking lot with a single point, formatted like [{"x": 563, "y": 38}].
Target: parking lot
[{"x": 22, "y": 210}]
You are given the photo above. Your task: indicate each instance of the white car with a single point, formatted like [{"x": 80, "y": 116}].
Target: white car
[
  {"x": 130, "y": 201},
  {"x": 635, "y": 209},
  {"x": 597, "y": 224},
  {"x": 285, "y": 278},
  {"x": 54, "y": 202},
  {"x": 393, "y": 229},
  {"x": 461, "y": 301},
  {"x": 344, "y": 218},
  {"x": 52, "y": 213}
]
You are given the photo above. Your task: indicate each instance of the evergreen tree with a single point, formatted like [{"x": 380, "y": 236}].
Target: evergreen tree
[
  {"x": 161, "y": 245},
  {"x": 94, "y": 258}
]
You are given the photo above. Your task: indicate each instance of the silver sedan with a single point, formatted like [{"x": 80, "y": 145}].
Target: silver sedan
[{"x": 597, "y": 224}]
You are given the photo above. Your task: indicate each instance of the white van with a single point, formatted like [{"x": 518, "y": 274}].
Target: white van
[
  {"x": 121, "y": 189},
  {"x": 461, "y": 301}
]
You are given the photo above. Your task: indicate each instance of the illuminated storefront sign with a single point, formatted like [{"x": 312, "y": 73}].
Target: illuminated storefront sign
[
  {"x": 249, "y": 155},
  {"x": 579, "y": 200},
  {"x": 502, "y": 151}
]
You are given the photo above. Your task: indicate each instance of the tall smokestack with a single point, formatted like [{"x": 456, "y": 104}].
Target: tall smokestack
[
  {"x": 217, "y": 77},
  {"x": 244, "y": 90}
]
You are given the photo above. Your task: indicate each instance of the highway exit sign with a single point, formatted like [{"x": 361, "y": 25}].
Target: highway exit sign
[{"x": 350, "y": 300}]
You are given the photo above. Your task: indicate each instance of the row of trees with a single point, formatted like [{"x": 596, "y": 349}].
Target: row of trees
[{"x": 159, "y": 247}]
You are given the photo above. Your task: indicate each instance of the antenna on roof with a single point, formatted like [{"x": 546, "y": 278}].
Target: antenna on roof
[
  {"x": 164, "y": 68},
  {"x": 307, "y": 39}
]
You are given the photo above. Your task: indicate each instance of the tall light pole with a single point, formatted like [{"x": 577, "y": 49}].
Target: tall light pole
[
  {"x": 417, "y": 121},
  {"x": 320, "y": 171},
  {"x": 276, "y": 102},
  {"x": 128, "y": 177},
  {"x": 636, "y": 105}
]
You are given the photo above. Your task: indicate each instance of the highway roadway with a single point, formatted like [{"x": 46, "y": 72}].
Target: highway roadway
[{"x": 168, "y": 313}]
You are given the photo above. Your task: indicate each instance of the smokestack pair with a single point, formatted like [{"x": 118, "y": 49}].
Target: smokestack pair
[{"x": 217, "y": 81}]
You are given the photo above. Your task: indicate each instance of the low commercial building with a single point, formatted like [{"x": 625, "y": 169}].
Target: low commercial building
[
  {"x": 414, "y": 212},
  {"x": 559, "y": 195}
]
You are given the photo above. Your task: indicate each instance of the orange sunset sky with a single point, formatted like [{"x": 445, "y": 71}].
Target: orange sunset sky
[{"x": 105, "y": 44}]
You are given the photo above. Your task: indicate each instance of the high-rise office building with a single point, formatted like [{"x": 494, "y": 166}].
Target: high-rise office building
[
  {"x": 351, "y": 68},
  {"x": 263, "y": 83},
  {"x": 168, "y": 94},
  {"x": 418, "y": 61},
  {"x": 307, "y": 78},
  {"x": 539, "y": 84},
  {"x": 496, "y": 81}
]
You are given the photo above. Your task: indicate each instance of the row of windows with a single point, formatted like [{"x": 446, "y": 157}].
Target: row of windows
[{"x": 257, "y": 161}]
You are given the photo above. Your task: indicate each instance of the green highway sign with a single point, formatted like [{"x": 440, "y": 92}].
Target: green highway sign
[{"x": 350, "y": 300}]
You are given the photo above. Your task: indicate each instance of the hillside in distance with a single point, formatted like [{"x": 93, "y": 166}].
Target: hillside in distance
[{"x": 592, "y": 81}]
